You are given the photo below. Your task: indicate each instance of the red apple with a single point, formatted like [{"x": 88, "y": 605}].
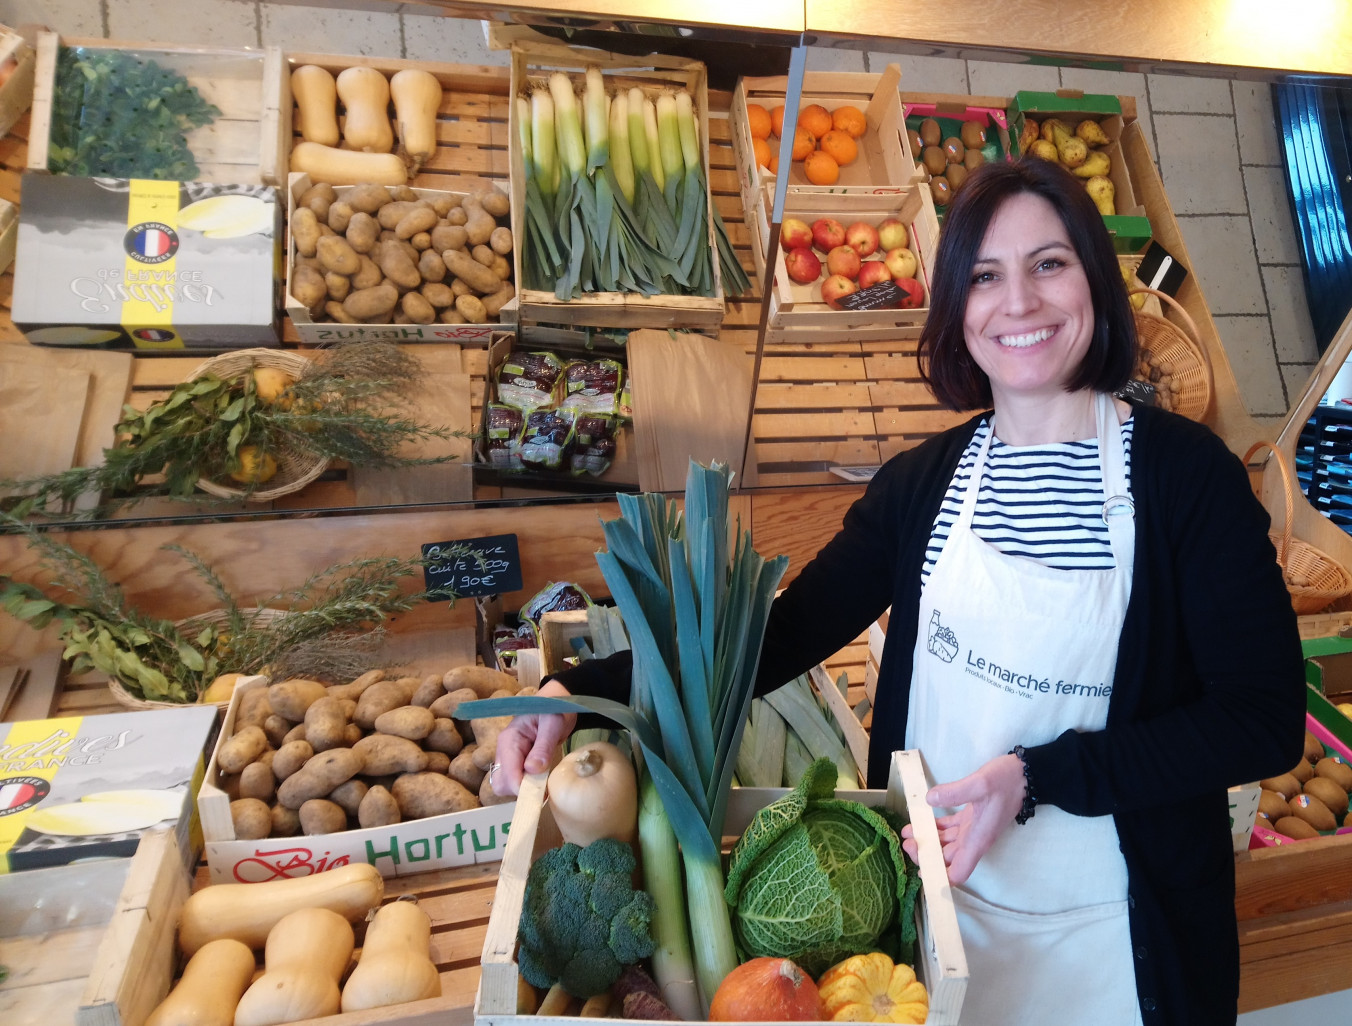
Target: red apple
[
  {"x": 862, "y": 238},
  {"x": 892, "y": 234},
  {"x": 827, "y": 234},
  {"x": 836, "y": 288},
  {"x": 795, "y": 234},
  {"x": 901, "y": 262},
  {"x": 914, "y": 293},
  {"x": 873, "y": 271},
  {"x": 802, "y": 264},
  {"x": 843, "y": 260}
]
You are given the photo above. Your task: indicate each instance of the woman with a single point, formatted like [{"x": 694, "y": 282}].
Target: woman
[{"x": 1089, "y": 636}]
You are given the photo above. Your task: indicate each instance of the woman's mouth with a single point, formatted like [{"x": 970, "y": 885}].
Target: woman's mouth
[{"x": 1027, "y": 339}]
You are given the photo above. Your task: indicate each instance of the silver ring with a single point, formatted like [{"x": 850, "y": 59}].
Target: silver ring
[{"x": 492, "y": 768}]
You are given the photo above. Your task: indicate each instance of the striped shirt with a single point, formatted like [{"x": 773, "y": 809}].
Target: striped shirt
[{"x": 1043, "y": 502}]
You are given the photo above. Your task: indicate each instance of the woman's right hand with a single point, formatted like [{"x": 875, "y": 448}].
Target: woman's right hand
[{"x": 528, "y": 743}]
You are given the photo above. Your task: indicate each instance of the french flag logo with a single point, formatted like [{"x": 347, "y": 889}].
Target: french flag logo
[{"x": 151, "y": 242}]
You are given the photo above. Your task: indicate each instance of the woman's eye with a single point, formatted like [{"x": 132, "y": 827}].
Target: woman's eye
[
  {"x": 982, "y": 277},
  {"x": 1051, "y": 264}
]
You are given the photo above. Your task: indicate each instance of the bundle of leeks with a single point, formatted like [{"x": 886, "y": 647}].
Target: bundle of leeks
[{"x": 616, "y": 198}]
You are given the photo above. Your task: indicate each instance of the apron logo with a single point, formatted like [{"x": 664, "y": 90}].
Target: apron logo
[{"x": 941, "y": 641}]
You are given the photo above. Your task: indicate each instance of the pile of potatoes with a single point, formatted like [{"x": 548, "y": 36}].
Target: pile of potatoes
[
  {"x": 306, "y": 758},
  {"x": 370, "y": 254}
]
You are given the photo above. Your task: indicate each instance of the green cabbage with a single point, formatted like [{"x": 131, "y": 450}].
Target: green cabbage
[{"x": 816, "y": 879}]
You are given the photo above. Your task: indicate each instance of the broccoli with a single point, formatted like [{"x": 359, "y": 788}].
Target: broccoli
[{"x": 582, "y": 920}]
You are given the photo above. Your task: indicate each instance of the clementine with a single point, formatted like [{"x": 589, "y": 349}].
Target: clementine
[
  {"x": 850, "y": 120},
  {"x": 816, "y": 119},
  {"x": 777, "y": 121},
  {"x": 821, "y": 168},
  {"x": 760, "y": 121},
  {"x": 841, "y": 146},
  {"x": 762, "y": 149},
  {"x": 804, "y": 142}
]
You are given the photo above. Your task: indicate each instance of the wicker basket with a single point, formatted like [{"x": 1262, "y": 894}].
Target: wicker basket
[
  {"x": 1166, "y": 345},
  {"x": 294, "y": 470},
  {"x": 1313, "y": 577},
  {"x": 215, "y": 616}
]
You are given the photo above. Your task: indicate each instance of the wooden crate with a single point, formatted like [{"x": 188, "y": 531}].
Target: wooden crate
[
  {"x": 531, "y": 62},
  {"x": 245, "y": 145},
  {"x": 941, "y": 960},
  {"x": 16, "y": 95}
]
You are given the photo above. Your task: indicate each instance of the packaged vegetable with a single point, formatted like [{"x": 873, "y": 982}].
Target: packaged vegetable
[
  {"x": 592, "y": 386},
  {"x": 545, "y": 437},
  {"x": 502, "y": 436},
  {"x": 593, "y": 447},
  {"x": 530, "y": 381},
  {"x": 556, "y": 596}
]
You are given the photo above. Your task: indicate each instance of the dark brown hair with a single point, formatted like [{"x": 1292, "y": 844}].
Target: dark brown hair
[{"x": 945, "y": 364}]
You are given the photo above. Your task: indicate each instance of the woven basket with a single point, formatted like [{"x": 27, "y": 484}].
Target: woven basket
[
  {"x": 1168, "y": 346},
  {"x": 294, "y": 470},
  {"x": 215, "y": 616},
  {"x": 1313, "y": 577}
]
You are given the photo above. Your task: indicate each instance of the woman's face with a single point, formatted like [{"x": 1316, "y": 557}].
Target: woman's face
[{"x": 1030, "y": 316}]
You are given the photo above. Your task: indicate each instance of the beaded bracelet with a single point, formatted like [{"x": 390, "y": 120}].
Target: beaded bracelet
[{"x": 1029, "y": 806}]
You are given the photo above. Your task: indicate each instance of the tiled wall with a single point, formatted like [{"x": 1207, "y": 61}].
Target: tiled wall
[{"x": 1215, "y": 141}]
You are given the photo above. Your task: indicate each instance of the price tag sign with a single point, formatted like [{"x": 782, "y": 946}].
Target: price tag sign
[
  {"x": 885, "y": 295},
  {"x": 472, "y": 566}
]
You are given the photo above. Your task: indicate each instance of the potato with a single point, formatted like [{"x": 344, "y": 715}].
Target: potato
[
  {"x": 420, "y": 241},
  {"x": 406, "y": 192},
  {"x": 483, "y": 254},
  {"x": 296, "y": 733},
  {"x": 243, "y": 748},
  {"x": 428, "y": 691},
  {"x": 276, "y": 728},
  {"x": 349, "y": 795},
  {"x": 368, "y": 304},
  {"x": 256, "y": 781},
  {"x": 449, "y": 237},
  {"x": 290, "y": 698},
  {"x": 420, "y": 219},
  {"x": 451, "y": 316},
  {"x": 446, "y": 705},
  {"x": 229, "y": 783},
  {"x": 335, "y": 312},
  {"x": 486, "y": 731},
  {"x": 251, "y": 818},
  {"x": 325, "y": 724},
  {"x": 410, "y": 721},
  {"x": 459, "y": 288},
  {"x": 494, "y": 303},
  {"x": 500, "y": 267},
  {"x": 378, "y": 808},
  {"x": 431, "y": 266},
  {"x": 291, "y": 757},
  {"x": 367, "y": 198},
  {"x": 444, "y": 738},
  {"x": 397, "y": 265},
  {"x": 470, "y": 271},
  {"x": 340, "y": 215},
  {"x": 305, "y": 231},
  {"x": 392, "y": 213},
  {"x": 495, "y": 202},
  {"x": 487, "y": 796},
  {"x": 385, "y": 753},
  {"x": 362, "y": 232},
  {"x": 501, "y": 241},
  {"x": 254, "y": 709},
  {"x": 368, "y": 276},
  {"x": 417, "y": 309},
  {"x": 430, "y": 794},
  {"x": 463, "y": 770},
  {"x": 319, "y": 776},
  {"x": 336, "y": 255},
  {"x": 438, "y": 762},
  {"x": 443, "y": 205},
  {"x": 456, "y": 218},
  {"x": 321, "y": 816},
  {"x": 309, "y": 287},
  {"x": 472, "y": 309},
  {"x": 484, "y": 681},
  {"x": 285, "y": 822},
  {"x": 353, "y": 691},
  {"x": 338, "y": 286},
  {"x": 439, "y": 295},
  {"x": 351, "y": 734},
  {"x": 480, "y": 223},
  {"x": 380, "y": 697}
]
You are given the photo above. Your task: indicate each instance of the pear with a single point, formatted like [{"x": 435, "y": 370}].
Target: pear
[
  {"x": 1044, "y": 149},
  {"x": 1091, "y": 132},
  {"x": 1031, "y": 132},
  {"x": 1101, "y": 191},
  {"x": 1054, "y": 130},
  {"x": 1096, "y": 165},
  {"x": 1072, "y": 151}
]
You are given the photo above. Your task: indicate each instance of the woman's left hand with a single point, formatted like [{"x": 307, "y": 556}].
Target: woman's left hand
[{"x": 990, "y": 798}]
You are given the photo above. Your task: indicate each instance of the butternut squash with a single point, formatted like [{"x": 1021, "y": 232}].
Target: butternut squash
[
  {"x": 395, "y": 964},
  {"x": 366, "y": 106},
  {"x": 417, "y": 98},
  {"x": 316, "y": 96},
  {"x": 213, "y": 981},
  {"x": 347, "y": 167},
  {"x": 307, "y": 953},
  {"x": 247, "y": 912}
]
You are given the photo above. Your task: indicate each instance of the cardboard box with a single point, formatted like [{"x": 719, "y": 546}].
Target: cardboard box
[
  {"x": 1130, "y": 227},
  {"x": 1243, "y": 809},
  {"x": 941, "y": 962},
  {"x": 414, "y": 846},
  {"x": 952, "y": 112},
  {"x": 85, "y": 787},
  {"x": 118, "y": 263}
]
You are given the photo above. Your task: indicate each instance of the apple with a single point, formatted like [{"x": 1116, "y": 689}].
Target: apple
[
  {"x": 892, "y": 234},
  {"x": 827, "y": 234},
  {"x": 862, "y": 238},
  {"x": 836, "y": 288},
  {"x": 900, "y": 261},
  {"x": 873, "y": 271},
  {"x": 795, "y": 234},
  {"x": 802, "y": 264},
  {"x": 914, "y": 293},
  {"x": 843, "y": 260}
]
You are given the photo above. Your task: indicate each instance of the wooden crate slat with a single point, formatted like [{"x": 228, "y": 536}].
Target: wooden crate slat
[
  {"x": 891, "y": 367},
  {"x": 846, "y": 452},
  {"x": 813, "y": 368},
  {"x": 813, "y": 426},
  {"x": 774, "y": 396},
  {"x": 901, "y": 393},
  {"x": 927, "y": 422}
]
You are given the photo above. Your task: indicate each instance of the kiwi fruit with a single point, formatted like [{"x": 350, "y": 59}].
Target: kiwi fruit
[
  {"x": 956, "y": 175},
  {"x": 973, "y": 135},
  {"x": 974, "y": 159},
  {"x": 1285, "y": 785},
  {"x": 942, "y": 190},
  {"x": 1295, "y": 828},
  {"x": 916, "y": 143},
  {"x": 1272, "y": 805},
  {"x": 934, "y": 160},
  {"x": 1314, "y": 748},
  {"x": 1329, "y": 793},
  {"x": 930, "y": 132},
  {"x": 1314, "y": 812},
  {"x": 1336, "y": 770},
  {"x": 954, "y": 150},
  {"x": 1303, "y": 770}
]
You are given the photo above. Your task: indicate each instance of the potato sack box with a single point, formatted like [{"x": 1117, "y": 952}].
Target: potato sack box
[
  {"x": 412, "y": 846},
  {"x": 83, "y": 787},
  {"x": 130, "y": 263}
]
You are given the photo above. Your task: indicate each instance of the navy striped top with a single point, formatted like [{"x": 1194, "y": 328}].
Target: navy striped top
[{"x": 1044, "y": 502}]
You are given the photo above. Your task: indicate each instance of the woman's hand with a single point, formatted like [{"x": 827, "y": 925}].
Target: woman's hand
[
  {"x": 528, "y": 743},
  {"x": 990, "y": 798}
]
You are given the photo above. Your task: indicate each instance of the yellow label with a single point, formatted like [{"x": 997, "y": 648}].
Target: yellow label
[
  {"x": 29, "y": 760},
  {"x": 149, "y": 273}
]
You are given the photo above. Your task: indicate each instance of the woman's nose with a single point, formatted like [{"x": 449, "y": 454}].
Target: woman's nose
[{"x": 1020, "y": 294}]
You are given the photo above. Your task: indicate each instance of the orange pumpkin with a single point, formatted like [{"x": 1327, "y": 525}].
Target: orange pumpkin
[
  {"x": 766, "y": 989},
  {"x": 869, "y": 988}
]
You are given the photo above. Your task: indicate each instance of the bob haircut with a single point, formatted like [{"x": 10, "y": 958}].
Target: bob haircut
[{"x": 945, "y": 364}]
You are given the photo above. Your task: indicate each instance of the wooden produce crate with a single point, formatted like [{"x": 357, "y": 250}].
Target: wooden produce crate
[
  {"x": 941, "y": 962},
  {"x": 531, "y": 64},
  {"x": 797, "y": 311},
  {"x": 951, "y": 111},
  {"x": 244, "y": 145},
  {"x": 16, "y": 95},
  {"x": 885, "y": 163}
]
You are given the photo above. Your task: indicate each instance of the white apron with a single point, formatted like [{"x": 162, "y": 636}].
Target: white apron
[{"x": 1013, "y": 652}]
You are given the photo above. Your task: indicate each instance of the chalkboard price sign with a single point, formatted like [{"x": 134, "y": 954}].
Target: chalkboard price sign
[{"x": 472, "y": 566}]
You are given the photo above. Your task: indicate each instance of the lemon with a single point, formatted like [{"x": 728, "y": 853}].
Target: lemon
[
  {"x": 220, "y": 689},
  {"x": 269, "y": 383},
  {"x": 255, "y": 466}
]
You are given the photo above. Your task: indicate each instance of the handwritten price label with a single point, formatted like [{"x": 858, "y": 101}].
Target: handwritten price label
[{"x": 472, "y": 566}]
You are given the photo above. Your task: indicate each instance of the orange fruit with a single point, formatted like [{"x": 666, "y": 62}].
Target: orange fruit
[
  {"x": 841, "y": 146},
  {"x": 762, "y": 149},
  {"x": 849, "y": 120},
  {"x": 804, "y": 142},
  {"x": 816, "y": 119},
  {"x": 774, "y": 162},
  {"x": 760, "y": 121},
  {"x": 821, "y": 168},
  {"x": 777, "y": 121}
]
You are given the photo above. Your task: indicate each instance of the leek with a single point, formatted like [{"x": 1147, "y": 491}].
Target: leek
[
  {"x": 598, "y": 135},
  {"x": 543, "y": 155},
  {"x": 621, "y": 152},
  {"x": 669, "y": 148},
  {"x": 672, "y": 962},
  {"x": 654, "y": 145}
]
